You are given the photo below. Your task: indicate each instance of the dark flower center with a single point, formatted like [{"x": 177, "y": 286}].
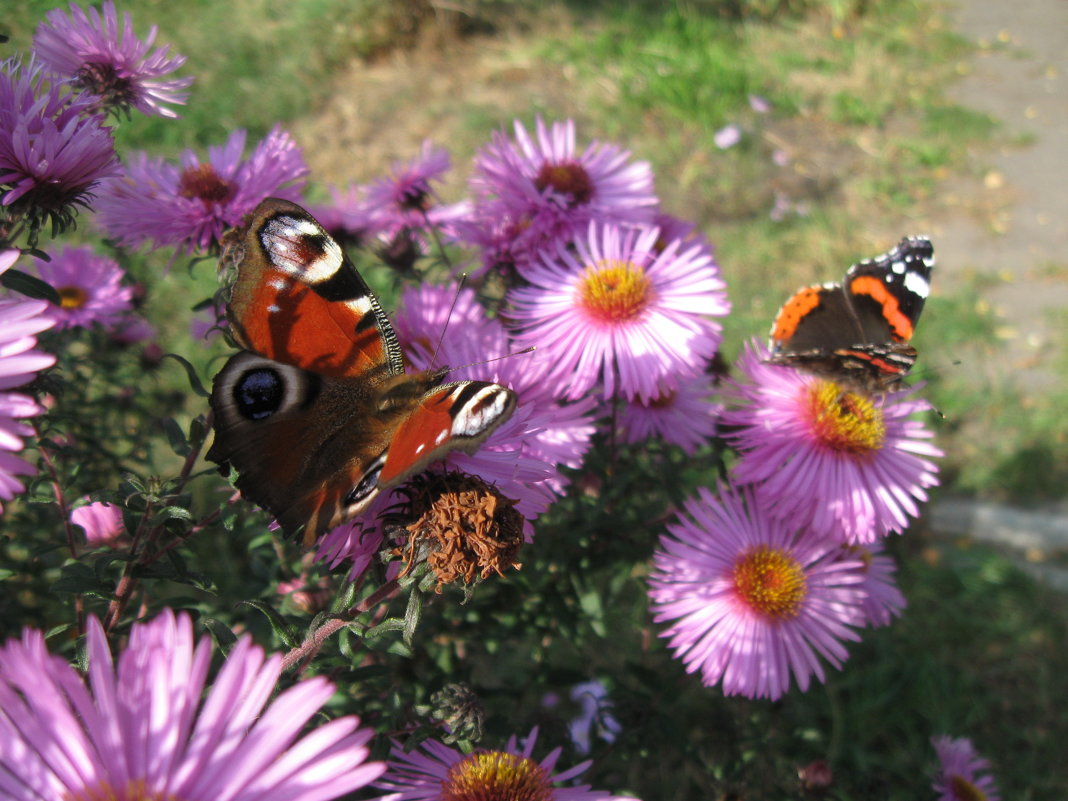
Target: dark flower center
[
  {"x": 204, "y": 183},
  {"x": 496, "y": 776},
  {"x": 100, "y": 78},
  {"x": 567, "y": 178}
]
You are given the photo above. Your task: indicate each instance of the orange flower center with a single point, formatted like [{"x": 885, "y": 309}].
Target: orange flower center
[
  {"x": 496, "y": 776},
  {"x": 770, "y": 582},
  {"x": 567, "y": 178},
  {"x": 133, "y": 791},
  {"x": 72, "y": 297},
  {"x": 844, "y": 421},
  {"x": 615, "y": 291},
  {"x": 204, "y": 183}
]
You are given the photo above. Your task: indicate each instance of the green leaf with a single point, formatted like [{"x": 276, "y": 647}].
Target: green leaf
[
  {"x": 289, "y": 636},
  {"x": 412, "y": 615},
  {"x": 176, "y": 437},
  {"x": 29, "y": 285},
  {"x": 191, "y": 372},
  {"x": 222, "y": 634}
]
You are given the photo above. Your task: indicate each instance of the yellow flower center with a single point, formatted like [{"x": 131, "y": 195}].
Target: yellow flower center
[
  {"x": 615, "y": 291},
  {"x": 496, "y": 776},
  {"x": 134, "y": 791},
  {"x": 771, "y": 582},
  {"x": 72, "y": 297},
  {"x": 844, "y": 421},
  {"x": 567, "y": 178},
  {"x": 964, "y": 790}
]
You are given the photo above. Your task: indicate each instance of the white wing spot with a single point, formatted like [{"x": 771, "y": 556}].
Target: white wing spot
[
  {"x": 420, "y": 447},
  {"x": 917, "y": 284},
  {"x": 441, "y": 437},
  {"x": 898, "y": 267}
]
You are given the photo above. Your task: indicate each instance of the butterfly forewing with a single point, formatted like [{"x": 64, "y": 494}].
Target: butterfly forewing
[{"x": 298, "y": 299}]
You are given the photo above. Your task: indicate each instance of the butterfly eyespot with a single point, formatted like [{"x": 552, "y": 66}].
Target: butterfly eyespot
[
  {"x": 259, "y": 393},
  {"x": 368, "y": 484}
]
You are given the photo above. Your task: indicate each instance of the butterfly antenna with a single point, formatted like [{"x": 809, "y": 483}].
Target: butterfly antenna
[
  {"x": 455, "y": 299},
  {"x": 529, "y": 349}
]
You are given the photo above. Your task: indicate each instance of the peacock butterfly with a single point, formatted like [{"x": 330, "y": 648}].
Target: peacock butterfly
[{"x": 316, "y": 412}]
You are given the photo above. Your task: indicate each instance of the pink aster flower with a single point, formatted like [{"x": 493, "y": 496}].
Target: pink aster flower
[
  {"x": 853, "y": 467},
  {"x": 549, "y": 189},
  {"x": 962, "y": 774},
  {"x": 622, "y": 309},
  {"x": 406, "y": 200},
  {"x": 685, "y": 416},
  {"x": 148, "y": 727},
  {"x": 53, "y": 150},
  {"x": 435, "y": 772},
  {"x": 109, "y": 62},
  {"x": 545, "y": 428},
  {"x": 101, "y": 522},
  {"x": 190, "y": 205},
  {"x": 20, "y": 322},
  {"x": 90, "y": 288},
  {"x": 752, "y": 599},
  {"x": 883, "y": 601}
]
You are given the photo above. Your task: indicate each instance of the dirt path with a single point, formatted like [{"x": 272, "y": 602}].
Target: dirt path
[{"x": 1013, "y": 224}]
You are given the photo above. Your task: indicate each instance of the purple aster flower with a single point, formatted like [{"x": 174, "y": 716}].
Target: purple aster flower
[
  {"x": 189, "y": 206},
  {"x": 53, "y": 150},
  {"x": 435, "y": 772},
  {"x": 853, "y": 467},
  {"x": 147, "y": 728},
  {"x": 751, "y": 598},
  {"x": 549, "y": 190},
  {"x": 685, "y": 416},
  {"x": 622, "y": 310},
  {"x": 545, "y": 428},
  {"x": 109, "y": 62},
  {"x": 20, "y": 321},
  {"x": 349, "y": 218},
  {"x": 596, "y": 716},
  {"x": 90, "y": 288},
  {"x": 405, "y": 199},
  {"x": 962, "y": 774},
  {"x": 101, "y": 522},
  {"x": 883, "y": 601}
]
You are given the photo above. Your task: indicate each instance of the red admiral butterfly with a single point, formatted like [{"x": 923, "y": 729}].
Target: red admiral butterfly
[
  {"x": 858, "y": 331},
  {"x": 317, "y": 413}
]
